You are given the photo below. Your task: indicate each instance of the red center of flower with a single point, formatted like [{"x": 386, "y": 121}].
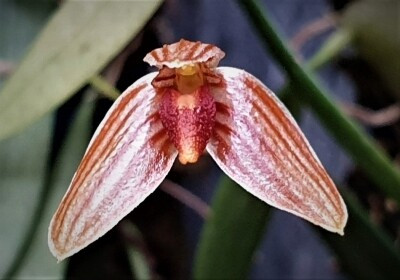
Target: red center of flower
[{"x": 187, "y": 110}]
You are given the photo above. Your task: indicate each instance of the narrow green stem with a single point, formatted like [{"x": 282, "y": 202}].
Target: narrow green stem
[
  {"x": 140, "y": 266},
  {"x": 235, "y": 228},
  {"x": 330, "y": 49},
  {"x": 104, "y": 87},
  {"x": 358, "y": 144}
]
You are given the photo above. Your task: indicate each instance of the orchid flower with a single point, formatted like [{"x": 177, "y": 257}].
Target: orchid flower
[{"x": 188, "y": 106}]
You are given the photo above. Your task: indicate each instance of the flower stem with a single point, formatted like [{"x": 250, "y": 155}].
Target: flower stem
[
  {"x": 186, "y": 197},
  {"x": 333, "y": 45}
]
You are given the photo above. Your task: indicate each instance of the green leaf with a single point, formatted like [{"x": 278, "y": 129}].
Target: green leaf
[
  {"x": 136, "y": 258},
  {"x": 365, "y": 252},
  {"x": 39, "y": 256},
  {"x": 331, "y": 48},
  {"x": 20, "y": 21},
  {"x": 80, "y": 39},
  {"x": 33, "y": 248},
  {"x": 227, "y": 244},
  {"x": 364, "y": 151},
  {"x": 22, "y": 173},
  {"x": 231, "y": 234},
  {"x": 22, "y": 158}
]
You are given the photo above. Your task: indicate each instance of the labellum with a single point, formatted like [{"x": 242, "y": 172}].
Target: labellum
[{"x": 188, "y": 106}]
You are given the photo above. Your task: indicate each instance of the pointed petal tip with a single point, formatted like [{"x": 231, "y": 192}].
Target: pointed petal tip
[
  {"x": 344, "y": 219},
  {"x": 339, "y": 230},
  {"x": 60, "y": 256},
  {"x": 54, "y": 252},
  {"x": 339, "y": 226}
]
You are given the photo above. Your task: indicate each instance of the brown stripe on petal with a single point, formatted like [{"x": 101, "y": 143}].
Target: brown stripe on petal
[
  {"x": 162, "y": 141},
  {"x": 277, "y": 137},
  {"x": 84, "y": 169},
  {"x": 111, "y": 122},
  {"x": 163, "y": 83},
  {"x": 185, "y": 53},
  {"x": 205, "y": 50},
  {"x": 222, "y": 109},
  {"x": 260, "y": 163},
  {"x": 165, "y": 53},
  {"x": 287, "y": 125},
  {"x": 223, "y": 128},
  {"x": 212, "y": 79},
  {"x": 289, "y": 129},
  {"x": 267, "y": 154},
  {"x": 98, "y": 200},
  {"x": 210, "y": 75},
  {"x": 165, "y": 78},
  {"x": 159, "y": 137},
  {"x": 155, "y": 55},
  {"x": 89, "y": 195},
  {"x": 232, "y": 159},
  {"x": 167, "y": 146},
  {"x": 162, "y": 78},
  {"x": 222, "y": 147},
  {"x": 188, "y": 55}
]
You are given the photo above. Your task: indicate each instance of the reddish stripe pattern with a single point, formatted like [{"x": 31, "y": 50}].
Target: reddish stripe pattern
[
  {"x": 184, "y": 53},
  {"x": 259, "y": 145},
  {"x": 254, "y": 140},
  {"x": 127, "y": 158}
]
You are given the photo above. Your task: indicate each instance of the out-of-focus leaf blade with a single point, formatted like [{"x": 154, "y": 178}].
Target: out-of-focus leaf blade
[
  {"x": 231, "y": 234},
  {"x": 376, "y": 29},
  {"x": 20, "y": 21},
  {"x": 22, "y": 173},
  {"x": 369, "y": 156},
  {"x": 80, "y": 39},
  {"x": 136, "y": 257},
  {"x": 39, "y": 260},
  {"x": 22, "y": 158},
  {"x": 222, "y": 255},
  {"x": 365, "y": 252}
]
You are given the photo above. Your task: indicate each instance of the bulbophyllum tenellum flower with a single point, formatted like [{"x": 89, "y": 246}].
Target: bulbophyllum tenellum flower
[{"x": 187, "y": 107}]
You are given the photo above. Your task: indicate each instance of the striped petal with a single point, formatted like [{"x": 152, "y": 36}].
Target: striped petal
[
  {"x": 258, "y": 144},
  {"x": 184, "y": 53},
  {"x": 127, "y": 158}
]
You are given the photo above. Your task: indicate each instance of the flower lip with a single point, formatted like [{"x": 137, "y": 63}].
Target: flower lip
[{"x": 185, "y": 53}]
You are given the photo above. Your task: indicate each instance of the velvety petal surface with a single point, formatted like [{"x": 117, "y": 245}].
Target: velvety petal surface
[
  {"x": 258, "y": 144},
  {"x": 128, "y": 157}
]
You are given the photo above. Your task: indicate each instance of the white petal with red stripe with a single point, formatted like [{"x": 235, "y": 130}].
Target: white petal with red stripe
[
  {"x": 128, "y": 157},
  {"x": 259, "y": 145}
]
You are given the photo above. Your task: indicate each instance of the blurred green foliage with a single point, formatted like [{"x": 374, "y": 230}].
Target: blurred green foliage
[
  {"x": 376, "y": 29},
  {"x": 355, "y": 250},
  {"x": 232, "y": 233},
  {"x": 22, "y": 168},
  {"x": 78, "y": 42}
]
